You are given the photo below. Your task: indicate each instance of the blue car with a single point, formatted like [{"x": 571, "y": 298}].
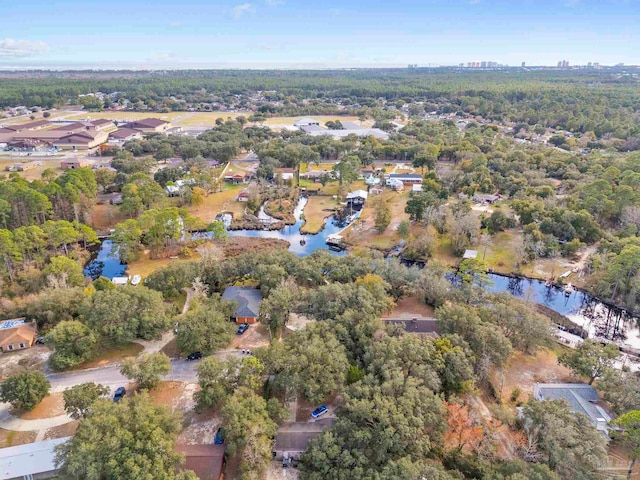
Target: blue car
[
  {"x": 219, "y": 440},
  {"x": 119, "y": 394},
  {"x": 318, "y": 412},
  {"x": 243, "y": 327}
]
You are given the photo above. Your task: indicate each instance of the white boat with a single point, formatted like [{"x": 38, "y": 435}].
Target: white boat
[{"x": 135, "y": 280}]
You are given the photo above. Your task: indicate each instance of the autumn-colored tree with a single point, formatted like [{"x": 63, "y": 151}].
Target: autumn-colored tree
[{"x": 463, "y": 430}]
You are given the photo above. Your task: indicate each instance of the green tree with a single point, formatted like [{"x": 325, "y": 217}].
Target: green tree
[
  {"x": 629, "y": 423},
  {"x": 249, "y": 432},
  {"x": 205, "y": 328},
  {"x": 383, "y": 215},
  {"x": 318, "y": 362},
  {"x": 219, "y": 379},
  {"x": 79, "y": 399},
  {"x": 25, "y": 390},
  {"x": 127, "y": 313},
  {"x": 498, "y": 222},
  {"x": 621, "y": 390},
  {"x": 67, "y": 270},
  {"x": 122, "y": 441},
  {"x": 404, "y": 229},
  {"x": 590, "y": 359},
  {"x": 72, "y": 343},
  {"x": 147, "y": 370},
  {"x": 570, "y": 443}
]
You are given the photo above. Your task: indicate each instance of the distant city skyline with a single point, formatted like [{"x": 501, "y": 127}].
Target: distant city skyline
[{"x": 328, "y": 34}]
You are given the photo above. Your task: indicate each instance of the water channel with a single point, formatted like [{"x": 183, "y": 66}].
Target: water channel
[{"x": 598, "y": 319}]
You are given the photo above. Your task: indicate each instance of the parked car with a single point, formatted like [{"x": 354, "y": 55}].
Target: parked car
[
  {"x": 40, "y": 341},
  {"x": 318, "y": 412},
  {"x": 219, "y": 440},
  {"x": 194, "y": 356},
  {"x": 119, "y": 394},
  {"x": 243, "y": 327}
]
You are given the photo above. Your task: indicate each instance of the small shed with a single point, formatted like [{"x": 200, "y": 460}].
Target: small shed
[
  {"x": 120, "y": 281},
  {"x": 470, "y": 254}
]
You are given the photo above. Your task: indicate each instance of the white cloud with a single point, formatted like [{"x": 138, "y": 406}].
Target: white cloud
[
  {"x": 242, "y": 9},
  {"x": 10, "y": 47}
]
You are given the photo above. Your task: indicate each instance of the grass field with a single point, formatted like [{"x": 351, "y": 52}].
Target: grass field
[
  {"x": 33, "y": 174},
  {"x": 145, "y": 266},
  {"x": 363, "y": 233},
  {"x": 215, "y": 203},
  {"x": 317, "y": 209}
]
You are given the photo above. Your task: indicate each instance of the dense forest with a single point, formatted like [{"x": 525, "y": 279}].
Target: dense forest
[{"x": 601, "y": 101}]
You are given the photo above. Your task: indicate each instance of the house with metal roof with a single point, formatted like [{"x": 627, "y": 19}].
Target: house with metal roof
[
  {"x": 30, "y": 461},
  {"x": 247, "y": 300},
  {"x": 582, "y": 398},
  {"x": 406, "y": 178}
]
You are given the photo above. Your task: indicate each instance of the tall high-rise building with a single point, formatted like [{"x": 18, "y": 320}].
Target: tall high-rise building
[
  {"x": 524, "y": 64},
  {"x": 560, "y": 64}
]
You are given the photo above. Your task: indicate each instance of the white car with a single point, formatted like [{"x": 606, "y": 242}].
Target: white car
[{"x": 135, "y": 280}]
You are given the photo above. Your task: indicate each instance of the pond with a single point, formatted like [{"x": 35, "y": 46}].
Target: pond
[
  {"x": 291, "y": 233},
  {"x": 597, "y": 318},
  {"x": 105, "y": 263}
]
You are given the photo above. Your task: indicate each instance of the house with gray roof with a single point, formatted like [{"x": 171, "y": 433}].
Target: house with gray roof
[
  {"x": 582, "y": 398},
  {"x": 30, "y": 461},
  {"x": 247, "y": 300}
]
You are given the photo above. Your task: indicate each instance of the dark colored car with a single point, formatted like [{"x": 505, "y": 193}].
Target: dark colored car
[
  {"x": 219, "y": 440},
  {"x": 318, "y": 412},
  {"x": 119, "y": 394},
  {"x": 40, "y": 341},
  {"x": 194, "y": 356},
  {"x": 243, "y": 327}
]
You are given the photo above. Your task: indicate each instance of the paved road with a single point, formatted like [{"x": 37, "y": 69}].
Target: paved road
[{"x": 110, "y": 376}]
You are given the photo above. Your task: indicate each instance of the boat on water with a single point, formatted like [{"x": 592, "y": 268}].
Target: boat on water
[
  {"x": 135, "y": 280},
  {"x": 548, "y": 283},
  {"x": 568, "y": 289}
]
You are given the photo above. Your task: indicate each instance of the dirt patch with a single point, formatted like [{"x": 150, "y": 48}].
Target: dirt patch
[
  {"x": 171, "y": 349},
  {"x": 524, "y": 371},
  {"x": 410, "y": 306},
  {"x": 199, "y": 427},
  {"x": 9, "y": 438},
  {"x": 177, "y": 396},
  {"x": 49, "y": 407},
  {"x": 66, "y": 430},
  {"x": 34, "y": 358},
  {"x": 112, "y": 355},
  {"x": 256, "y": 336},
  {"x": 276, "y": 472},
  {"x": 104, "y": 217}
]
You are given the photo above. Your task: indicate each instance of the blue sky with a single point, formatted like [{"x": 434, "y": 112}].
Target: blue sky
[{"x": 315, "y": 33}]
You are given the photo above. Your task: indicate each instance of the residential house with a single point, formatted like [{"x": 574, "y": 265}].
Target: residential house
[
  {"x": 206, "y": 461},
  {"x": 31, "y": 461},
  {"x": 292, "y": 438},
  {"x": 72, "y": 163},
  {"x": 102, "y": 124},
  {"x": 16, "y": 334},
  {"x": 247, "y": 300},
  {"x": 416, "y": 188},
  {"x": 237, "y": 178},
  {"x": 285, "y": 173},
  {"x": 243, "y": 196},
  {"x": 305, "y": 122},
  {"x": 582, "y": 398},
  {"x": 149, "y": 125},
  {"x": 357, "y": 199},
  {"x": 486, "y": 198},
  {"x": 405, "y": 178},
  {"x": 420, "y": 326}
]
